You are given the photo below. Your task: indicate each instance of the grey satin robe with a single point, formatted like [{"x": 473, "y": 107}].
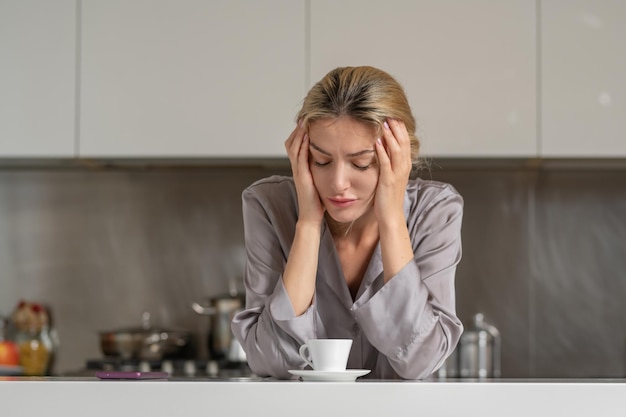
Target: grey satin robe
[{"x": 403, "y": 329}]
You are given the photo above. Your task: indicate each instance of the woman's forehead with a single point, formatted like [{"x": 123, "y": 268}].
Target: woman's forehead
[{"x": 342, "y": 126}]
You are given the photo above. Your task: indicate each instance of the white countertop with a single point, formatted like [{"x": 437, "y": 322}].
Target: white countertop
[{"x": 197, "y": 397}]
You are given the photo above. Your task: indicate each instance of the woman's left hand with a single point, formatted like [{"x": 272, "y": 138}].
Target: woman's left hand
[{"x": 394, "y": 160}]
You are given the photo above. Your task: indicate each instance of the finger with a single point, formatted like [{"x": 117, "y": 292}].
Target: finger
[
  {"x": 388, "y": 134},
  {"x": 303, "y": 152},
  {"x": 294, "y": 143},
  {"x": 394, "y": 149},
  {"x": 383, "y": 159},
  {"x": 298, "y": 129},
  {"x": 399, "y": 131},
  {"x": 399, "y": 142},
  {"x": 290, "y": 149}
]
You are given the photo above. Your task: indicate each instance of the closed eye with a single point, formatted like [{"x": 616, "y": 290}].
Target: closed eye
[
  {"x": 320, "y": 164},
  {"x": 363, "y": 163},
  {"x": 357, "y": 166}
]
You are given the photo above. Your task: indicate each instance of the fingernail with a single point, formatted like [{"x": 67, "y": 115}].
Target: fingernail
[
  {"x": 306, "y": 136},
  {"x": 378, "y": 141},
  {"x": 386, "y": 125}
]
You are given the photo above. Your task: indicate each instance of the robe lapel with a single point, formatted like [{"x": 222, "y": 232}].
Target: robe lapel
[
  {"x": 330, "y": 272},
  {"x": 373, "y": 277},
  {"x": 329, "y": 268}
]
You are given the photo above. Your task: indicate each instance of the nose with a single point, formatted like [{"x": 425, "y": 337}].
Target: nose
[{"x": 341, "y": 178}]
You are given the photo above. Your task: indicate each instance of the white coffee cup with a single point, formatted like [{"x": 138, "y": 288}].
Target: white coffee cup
[{"x": 326, "y": 354}]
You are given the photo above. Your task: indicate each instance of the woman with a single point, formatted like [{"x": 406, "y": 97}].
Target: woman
[{"x": 350, "y": 247}]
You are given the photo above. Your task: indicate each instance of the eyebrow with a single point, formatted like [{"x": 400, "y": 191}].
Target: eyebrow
[{"x": 350, "y": 155}]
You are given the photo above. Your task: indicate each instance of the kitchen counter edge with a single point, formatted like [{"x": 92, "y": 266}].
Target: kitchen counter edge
[{"x": 259, "y": 397}]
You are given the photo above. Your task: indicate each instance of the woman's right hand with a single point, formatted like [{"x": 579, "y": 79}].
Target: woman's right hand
[{"x": 309, "y": 205}]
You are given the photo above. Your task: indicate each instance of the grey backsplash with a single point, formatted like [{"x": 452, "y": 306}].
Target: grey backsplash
[{"x": 544, "y": 254}]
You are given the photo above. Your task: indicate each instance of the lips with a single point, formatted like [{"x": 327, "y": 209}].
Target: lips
[{"x": 342, "y": 202}]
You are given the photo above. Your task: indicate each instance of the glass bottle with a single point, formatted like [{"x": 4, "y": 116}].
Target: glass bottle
[
  {"x": 33, "y": 339},
  {"x": 35, "y": 348}
]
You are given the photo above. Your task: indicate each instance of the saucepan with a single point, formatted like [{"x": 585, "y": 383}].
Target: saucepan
[{"x": 145, "y": 342}]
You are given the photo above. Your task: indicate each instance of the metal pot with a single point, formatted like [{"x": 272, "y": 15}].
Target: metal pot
[
  {"x": 145, "y": 342},
  {"x": 221, "y": 341}
]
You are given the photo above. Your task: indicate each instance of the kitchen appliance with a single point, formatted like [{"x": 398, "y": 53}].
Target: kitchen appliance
[
  {"x": 479, "y": 350},
  {"x": 174, "y": 367},
  {"x": 145, "y": 342},
  {"x": 222, "y": 344},
  {"x": 477, "y": 354}
]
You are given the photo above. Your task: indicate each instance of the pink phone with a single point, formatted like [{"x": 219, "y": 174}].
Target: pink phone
[{"x": 130, "y": 375}]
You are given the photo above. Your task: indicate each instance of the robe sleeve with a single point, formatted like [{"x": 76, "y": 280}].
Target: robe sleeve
[
  {"x": 268, "y": 329},
  {"x": 411, "y": 319}
]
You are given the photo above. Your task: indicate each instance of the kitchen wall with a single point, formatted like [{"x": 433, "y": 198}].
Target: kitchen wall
[{"x": 544, "y": 253}]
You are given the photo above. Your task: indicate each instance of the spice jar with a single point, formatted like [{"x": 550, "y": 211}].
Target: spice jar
[{"x": 33, "y": 338}]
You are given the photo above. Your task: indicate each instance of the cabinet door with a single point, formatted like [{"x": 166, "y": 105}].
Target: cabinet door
[
  {"x": 190, "y": 78},
  {"x": 583, "y": 67},
  {"x": 37, "y": 78},
  {"x": 468, "y": 66}
]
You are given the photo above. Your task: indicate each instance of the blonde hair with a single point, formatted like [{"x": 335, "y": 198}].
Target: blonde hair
[{"x": 366, "y": 94}]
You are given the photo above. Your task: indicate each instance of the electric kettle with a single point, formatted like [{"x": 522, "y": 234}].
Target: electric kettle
[{"x": 479, "y": 350}]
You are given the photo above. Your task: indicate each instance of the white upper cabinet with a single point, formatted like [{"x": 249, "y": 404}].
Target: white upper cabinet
[
  {"x": 468, "y": 67},
  {"x": 225, "y": 79},
  {"x": 583, "y": 82},
  {"x": 190, "y": 78},
  {"x": 37, "y": 78}
]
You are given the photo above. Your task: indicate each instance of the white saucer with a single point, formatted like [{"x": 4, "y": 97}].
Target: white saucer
[{"x": 348, "y": 375}]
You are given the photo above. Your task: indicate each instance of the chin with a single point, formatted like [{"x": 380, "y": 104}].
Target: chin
[{"x": 344, "y": 216}]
